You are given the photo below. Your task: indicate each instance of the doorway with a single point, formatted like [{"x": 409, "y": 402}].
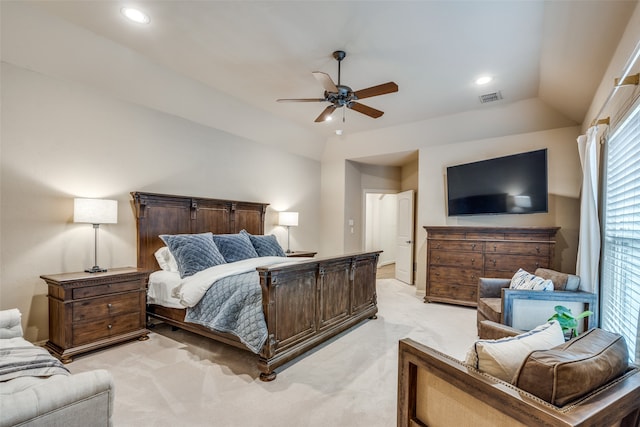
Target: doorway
[{"x": 389, "y": 227}]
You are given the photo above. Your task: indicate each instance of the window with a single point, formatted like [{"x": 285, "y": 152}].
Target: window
[{"x": 620, "y": 284}]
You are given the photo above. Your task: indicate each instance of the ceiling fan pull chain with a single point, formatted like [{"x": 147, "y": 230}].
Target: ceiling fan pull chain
[{"x": 343, "y": 114}]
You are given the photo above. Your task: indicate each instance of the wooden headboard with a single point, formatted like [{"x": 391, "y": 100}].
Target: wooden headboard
[{"x": 158, "y": 214}]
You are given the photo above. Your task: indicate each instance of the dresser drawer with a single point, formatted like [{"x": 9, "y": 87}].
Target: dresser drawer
[
  {"x": 105, "y": 289},
  {"x": 87, "y": 332},
  {"x": 456, "y": 245},
  {"x": 453, "y": 275},
  {"x": 98, "y": 308},
  {"x": 459, "y": 259},
  {"x": 518, "y": 248},
  {"x": 511, "y": 263},
  {"x": 453, "y": 291}
]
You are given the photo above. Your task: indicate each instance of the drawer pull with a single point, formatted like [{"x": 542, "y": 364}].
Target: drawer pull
[
  {"x": 438, "y": 246},
  {"x": 537, "y": 264},
  {"x": 473, "y": 260},
  {"x": 473, "y": 246},
  {"x": 494, "y": 262},
  {"x": 495, "y": 248},
  {"x": 437, "y": 259},
  {"x": 109, "y": 305},
  {"x": 538, "y": 249},
  {"x": 110, "y": 326}
]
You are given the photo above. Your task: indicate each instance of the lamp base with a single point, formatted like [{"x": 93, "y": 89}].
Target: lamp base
[{"x": 95, "y": 269}]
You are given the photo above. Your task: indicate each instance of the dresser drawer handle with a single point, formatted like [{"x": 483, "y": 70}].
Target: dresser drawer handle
[
  {"x": 109, "y": 327},
  {"x": 438, "y": 246},
  {"x": 537, "y": 264},
  {"x": 494, "y": 262},
  {"x": 109, "y": 305},
  {"x": 473, "y": 260},
  {"x": 538, "y": 249},
  {"x": 473, "y": 246},
  {"x": 437, "y": 259}
]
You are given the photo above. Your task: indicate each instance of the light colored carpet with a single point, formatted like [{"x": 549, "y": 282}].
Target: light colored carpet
[{"x": 176, "y": 378}]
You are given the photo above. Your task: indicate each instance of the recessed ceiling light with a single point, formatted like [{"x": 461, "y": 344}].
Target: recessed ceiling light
[
  {"x": 135, "y": 15},
  {"x": 328, "y": 119},
  {"x": 483, "y": 80},
  {"x": 338, "y": 131}
]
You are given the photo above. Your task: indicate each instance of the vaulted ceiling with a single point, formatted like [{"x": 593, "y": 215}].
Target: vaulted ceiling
[{"x": 257, "y": 51}]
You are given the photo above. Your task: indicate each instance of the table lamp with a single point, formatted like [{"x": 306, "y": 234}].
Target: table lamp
[
  {"x": 96, "y": 212},
  {"x": 288, "y": 219}
]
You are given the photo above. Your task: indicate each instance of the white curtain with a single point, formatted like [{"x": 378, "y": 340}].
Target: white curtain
[{"x": 587, "y": 266}]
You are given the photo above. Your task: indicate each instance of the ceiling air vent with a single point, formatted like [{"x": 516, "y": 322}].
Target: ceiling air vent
[{"x": 491, "y": 97}]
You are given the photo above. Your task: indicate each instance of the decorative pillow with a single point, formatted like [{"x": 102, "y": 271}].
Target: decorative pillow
[
  {"x": 525, "y": 280},
  {"x": 571, "y": 370},
  {"x": 166, "y": 260},
  {"x": 235, "y": 247},
  {"x": 502, "y": 358},
  {"x": 193, "y": 252},
  {"x": 265, "y": 245}
]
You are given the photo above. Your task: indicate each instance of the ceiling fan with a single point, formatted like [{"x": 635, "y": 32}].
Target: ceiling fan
[{"x": 342, "y": 96}]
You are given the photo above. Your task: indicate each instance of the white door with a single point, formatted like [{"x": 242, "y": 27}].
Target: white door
[{"x": 404, "y": 238}]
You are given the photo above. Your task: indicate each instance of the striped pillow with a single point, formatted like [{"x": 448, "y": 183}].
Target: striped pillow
[{"x": 525, "y": 280}]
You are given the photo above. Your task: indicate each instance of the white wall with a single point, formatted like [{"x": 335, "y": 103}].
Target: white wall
[
  {"x": 499, "y": 131},
  {"x": 61, "y": 140}
]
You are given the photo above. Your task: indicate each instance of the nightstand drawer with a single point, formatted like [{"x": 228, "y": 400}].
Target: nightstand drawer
[
  {"x": 106, "y": 306},
  {"x": 88, "y": 332},
  {"x": 106, "y": 289}
]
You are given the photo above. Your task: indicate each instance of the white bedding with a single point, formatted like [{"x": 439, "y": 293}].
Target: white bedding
[
  {"x": 169, "y": 290},
  {"x": 161, "y": 283}
]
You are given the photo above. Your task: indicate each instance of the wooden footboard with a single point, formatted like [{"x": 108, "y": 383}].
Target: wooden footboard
[{"x": 307, "y": 303}]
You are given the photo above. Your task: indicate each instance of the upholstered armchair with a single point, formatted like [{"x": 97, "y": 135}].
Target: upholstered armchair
[{"x": 525, "y": 309}]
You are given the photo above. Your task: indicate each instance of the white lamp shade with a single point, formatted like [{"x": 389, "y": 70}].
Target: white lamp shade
[
  {"x": 95, "y": 211},
  {"x": 288, "y": 219}
]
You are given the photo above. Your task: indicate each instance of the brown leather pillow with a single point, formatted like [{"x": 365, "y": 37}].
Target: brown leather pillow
[{"x": 573, "y": 369}]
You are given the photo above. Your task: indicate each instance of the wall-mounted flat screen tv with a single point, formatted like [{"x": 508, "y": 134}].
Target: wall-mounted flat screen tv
[{"x": 515, "y": 184}]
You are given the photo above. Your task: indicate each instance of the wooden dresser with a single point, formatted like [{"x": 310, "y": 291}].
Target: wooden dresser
[
  {"x": 458, "y": 256},
  {"x": 92, "y": 310}
]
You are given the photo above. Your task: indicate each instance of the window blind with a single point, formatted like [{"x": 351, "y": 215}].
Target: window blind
[{"x": 620, "y": 284}]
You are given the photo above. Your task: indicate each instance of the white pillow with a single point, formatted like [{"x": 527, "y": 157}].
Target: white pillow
[
  {"x": 502, "y": 358},
  {"x": 165, "y": 259},
  {"x": 525, "y": 280}
]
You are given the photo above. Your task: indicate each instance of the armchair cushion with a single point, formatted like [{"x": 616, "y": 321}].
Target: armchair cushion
[
  {"x": 10, "y": 323},
  {"x": 502, "y": 358},
  {"x": 561, "y": 281},
  {"x": 569, "y": 371}
]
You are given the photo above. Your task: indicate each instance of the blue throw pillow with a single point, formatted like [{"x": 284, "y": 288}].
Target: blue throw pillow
[
  {"x": 193, "y": 252},
  {"x": 235, "y": 247},
  {"x": 265, "y": 245}
]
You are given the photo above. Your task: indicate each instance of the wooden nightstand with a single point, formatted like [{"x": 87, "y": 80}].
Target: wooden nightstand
[
  {"x": 301, "y": 254},
  {"x": 88, "y": 311}
]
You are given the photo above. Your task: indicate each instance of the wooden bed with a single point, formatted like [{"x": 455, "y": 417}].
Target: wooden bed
[{"x": 305, "y": 303}]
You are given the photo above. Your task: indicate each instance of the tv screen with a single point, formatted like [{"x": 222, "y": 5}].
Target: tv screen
[{"x": 515, "y": 184}]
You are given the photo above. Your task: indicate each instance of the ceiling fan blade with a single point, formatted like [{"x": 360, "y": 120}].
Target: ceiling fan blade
[
  {"x": 301, "y": 100},
  {"x": 364, "y": 109},
  {"x": 325, "y": 81},
  {"x": 325, "y": 114},
  {"x": 382, "y": 89}
]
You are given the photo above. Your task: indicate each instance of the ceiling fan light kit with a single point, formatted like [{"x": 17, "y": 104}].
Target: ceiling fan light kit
[{"x": 343, "y": 96}]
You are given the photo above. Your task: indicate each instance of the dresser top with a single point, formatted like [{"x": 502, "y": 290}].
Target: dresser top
[{"x": 490, "y": 229}]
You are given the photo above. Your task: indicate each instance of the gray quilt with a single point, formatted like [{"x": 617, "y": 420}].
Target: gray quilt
[
  {"x": 233, "y": 304},
  {"x": 28, "y": 362}
]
